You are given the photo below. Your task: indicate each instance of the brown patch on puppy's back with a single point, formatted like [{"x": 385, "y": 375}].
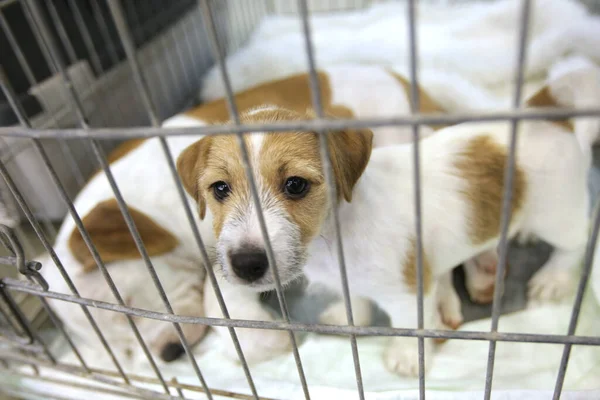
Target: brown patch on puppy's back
[
  {"x": 109, "y": 233},
  {"x": 427, "y": 105},
  {"x": 292, "y": 93},
  {"x": 410, "y": 268},
  {"x": 482, "y": 164},
  {"x": 543, "y": 98}
]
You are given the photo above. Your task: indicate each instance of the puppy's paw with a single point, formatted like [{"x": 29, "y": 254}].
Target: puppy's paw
[
  {"x": 402, "y": 356},
  {"x": 257, "y": 344},
  {"x": 481, "y": 277},
  {"x": 450, "y": 312},
  {"x": 260, "y": 344},
  {"x": 481, "y": 288},
  {"x": 335, "y": 313},
  {"x": 551, "y": 284}
]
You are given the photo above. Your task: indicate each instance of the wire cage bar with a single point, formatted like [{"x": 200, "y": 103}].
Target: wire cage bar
[{"x": 119, "y": 27}]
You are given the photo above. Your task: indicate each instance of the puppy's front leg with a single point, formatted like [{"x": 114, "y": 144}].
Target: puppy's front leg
[
  {"x": 335, "y": 313},
  {"x": 242, "y": 303},
  {"x": 402, "y": 354}
]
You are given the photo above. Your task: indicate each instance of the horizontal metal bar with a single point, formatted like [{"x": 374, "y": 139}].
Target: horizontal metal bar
[
  {"x": 106, "y": 375},
  {"x": 25, "y": 287},
  {"x": 69, "y": 383},
  {"x": 316, "y": 125},
  {"x": 21, "y": 392},
  {"x": 33, "y": 348},
  {"x": 146, "y": 393}
]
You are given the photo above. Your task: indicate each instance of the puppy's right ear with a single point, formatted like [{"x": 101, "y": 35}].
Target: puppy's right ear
[{"x": 189, "y": 165}]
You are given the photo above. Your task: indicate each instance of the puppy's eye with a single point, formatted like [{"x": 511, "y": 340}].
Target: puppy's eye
[
  {"x": 296, "y": 187},
  {"x": 221, "y": 190}
]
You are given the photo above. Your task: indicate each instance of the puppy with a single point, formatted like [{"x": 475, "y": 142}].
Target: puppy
[
  {"x": 343, "y": 94},
  {"x": 462, "y": 187},
  {"x": 147, "y": 186},
  {"x": 145, "y": 182}
]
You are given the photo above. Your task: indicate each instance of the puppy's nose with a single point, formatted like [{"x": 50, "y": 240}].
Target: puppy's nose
[{"x": 249, "y": 264}]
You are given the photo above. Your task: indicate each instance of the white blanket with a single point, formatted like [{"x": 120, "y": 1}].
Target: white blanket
[{"x": 476, "y": 40}]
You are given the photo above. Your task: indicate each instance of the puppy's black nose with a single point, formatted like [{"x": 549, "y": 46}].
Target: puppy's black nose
[
  {"x": 171, "y": 352},
  {"x": 249, "y": 264}
]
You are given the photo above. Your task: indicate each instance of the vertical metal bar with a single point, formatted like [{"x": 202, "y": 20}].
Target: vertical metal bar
[
  {"x": 48, "y": 247},
  {"x": 46, "y": 244},
  {"x": 202, "y": 41},
  {"x": 177, "y": 388},
  {"x": 508, "y": 190},
  {"x": 127, "y": 42},
  {"x": 38, "y": 37},
  {"x": 182, "y": 62},
  {"x": 29, "y": 249},
  {"x": 76, "y": 105},
  {"x": 104, "y": 31},
  {"x": 24, "y": 322},
  {"x": 12, "y": 322},
  {"x": 84, "y": 233},
  {"x": 414, "y": 108},
  {"x": 47, "y": 308},
  {"x": 15, "y": 330},
  {"x": 62, "y": 33},
  {"x": 172, "y": 68},
  {"x": 327, "y": 170},
  {"x": 232, "y": 108},
  {"x": 12, "y": 41},
  {"x": 48, "y": 226},
  {"x": 56, "y": 322},
  {"x": 585, "y": 276},
  {"x": 86, "y": 37},
  {"x": 183, "y": 28},
  {"x": 94, "y": 57},
  {"x": 75, "y": 170},
  {"x": 166, "y": 93},
  {"x": 64, "y": 148},
  {"x": 144, "y": 93}
]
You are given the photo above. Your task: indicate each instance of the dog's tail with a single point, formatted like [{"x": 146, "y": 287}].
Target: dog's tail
[{"x": 575, "y": 83}]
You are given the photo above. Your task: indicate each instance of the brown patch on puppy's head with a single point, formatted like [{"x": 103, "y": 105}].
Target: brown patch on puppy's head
[
  {"x": 290, "y": 183},
  {"x": 482, "y": 164},
  {"x": 109, "y": 233}
]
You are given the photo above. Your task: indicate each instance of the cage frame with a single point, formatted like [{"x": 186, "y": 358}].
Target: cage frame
[{"x": 122, "y": 382}]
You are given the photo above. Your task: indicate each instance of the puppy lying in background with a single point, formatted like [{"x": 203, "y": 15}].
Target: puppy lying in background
[
  {"x": 146, "y": 184},
  {"x": 462, "y": 185}
]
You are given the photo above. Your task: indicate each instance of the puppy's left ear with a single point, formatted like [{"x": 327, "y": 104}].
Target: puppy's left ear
[
  {"x": 189, "y": 165},
  {"x": 349, "y": 150}
]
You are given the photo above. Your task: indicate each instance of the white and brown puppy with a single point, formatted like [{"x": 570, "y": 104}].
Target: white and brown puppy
[
  {"x": 147, "y": 186},
  {"x": 144, "y": 179},
  {"x": 342, "y": 92},
  {"x": 462, "y": 186}
]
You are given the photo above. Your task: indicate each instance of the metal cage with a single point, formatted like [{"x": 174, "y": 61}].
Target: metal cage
[{"x": 93, "y": 91}]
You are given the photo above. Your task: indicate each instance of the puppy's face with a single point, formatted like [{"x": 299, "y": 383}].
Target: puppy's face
[{"x": 291, "y": 188}]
